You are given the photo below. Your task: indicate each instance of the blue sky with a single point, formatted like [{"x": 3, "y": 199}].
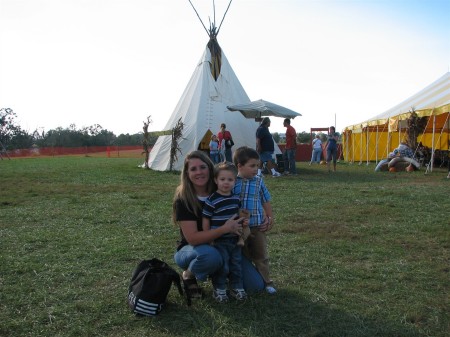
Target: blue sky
[{"x": 115, "y": 62}]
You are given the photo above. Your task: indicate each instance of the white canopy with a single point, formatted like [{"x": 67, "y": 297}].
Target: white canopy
[
  {"x": 261, "y": 108},
  {"x": 435, "y": 95}
]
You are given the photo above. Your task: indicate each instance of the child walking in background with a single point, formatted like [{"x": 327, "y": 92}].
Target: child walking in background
[
  {"x": 255, "y": 197},
  {"x": 218, "y": 208},
  {"x": 214, "y": 149}
]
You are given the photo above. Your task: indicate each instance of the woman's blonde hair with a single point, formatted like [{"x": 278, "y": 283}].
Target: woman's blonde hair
[{"x": 186, "y": 191}]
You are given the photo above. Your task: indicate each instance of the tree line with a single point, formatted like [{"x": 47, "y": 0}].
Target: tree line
[{"x": 12, "y": 136}]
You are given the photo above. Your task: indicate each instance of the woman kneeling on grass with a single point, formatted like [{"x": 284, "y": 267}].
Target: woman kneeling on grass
[{"x": 194, "y": 254}]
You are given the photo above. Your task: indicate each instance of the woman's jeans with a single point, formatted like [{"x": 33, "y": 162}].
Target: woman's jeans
[
  {"x": 204, "y": 260},
  {"x": 316, "y": 155}
]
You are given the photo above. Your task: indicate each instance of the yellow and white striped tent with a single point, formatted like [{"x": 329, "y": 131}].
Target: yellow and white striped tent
[{"x": 375, "y": 138}]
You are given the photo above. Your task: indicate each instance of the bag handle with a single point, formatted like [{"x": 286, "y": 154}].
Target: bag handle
[{"x": 176, "y": 280}]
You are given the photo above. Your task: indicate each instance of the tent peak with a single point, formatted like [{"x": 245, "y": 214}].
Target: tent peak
[{"x": 213, "y": 30}]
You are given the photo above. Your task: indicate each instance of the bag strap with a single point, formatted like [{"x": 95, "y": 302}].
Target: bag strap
[
  {"x": 175, "y": 277},
  {"x": 176, "y": 280},
  {"x": 157, "y": 264}
]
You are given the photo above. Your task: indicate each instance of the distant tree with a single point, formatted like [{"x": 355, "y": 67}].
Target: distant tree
[
  {"x": 13, "y": 137},
  {"x": 104, "y": 138},
  {"x": 303, "y": 137},
  {"x": 323, "y": 137},
  {"x": 127, "y": 139},
  {"x": 93, "y": 135},
  {"x": 21, "y": 140},
  {"x": 8, "y": 126},
  {"x": 37, "y": 137}
]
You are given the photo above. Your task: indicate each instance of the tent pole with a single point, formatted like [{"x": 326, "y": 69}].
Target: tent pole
[
  {"x": 361, "y": 146},
  {"x": 367, "y": 146},
  {"x": 348, "y": 144},
  {"x": 432, "y": 143},
  {"x": 353, "y": 148},
  {"x": 388, "y": 141},
  {"x": 376, "y": 147}
]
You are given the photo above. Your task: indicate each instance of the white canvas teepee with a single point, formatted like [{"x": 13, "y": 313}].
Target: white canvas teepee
[{"x": 202, "y": 108}]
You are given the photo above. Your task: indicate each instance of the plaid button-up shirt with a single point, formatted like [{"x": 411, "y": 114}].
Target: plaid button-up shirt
[{"x": 253, "y": 193}]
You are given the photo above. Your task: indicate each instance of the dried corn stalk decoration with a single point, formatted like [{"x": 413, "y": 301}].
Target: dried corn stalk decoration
[
  {"x": 416, "y": 126},
  {"x": 177, "y": 133},
  {"x": 146, "y": 141}
]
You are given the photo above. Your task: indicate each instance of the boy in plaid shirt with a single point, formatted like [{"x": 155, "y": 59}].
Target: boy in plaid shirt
[{"x": 254, "y": 197}]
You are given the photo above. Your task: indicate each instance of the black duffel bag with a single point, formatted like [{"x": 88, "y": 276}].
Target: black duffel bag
[{"x": 149, "y": 286}]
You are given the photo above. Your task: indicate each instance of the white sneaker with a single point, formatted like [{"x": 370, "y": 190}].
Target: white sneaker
[
  {"x": 270, "y": 290},
  {"x": 220, "y": 295},
  {"x": 238, "y": 294},
  {"x": 276, "y": 174}
]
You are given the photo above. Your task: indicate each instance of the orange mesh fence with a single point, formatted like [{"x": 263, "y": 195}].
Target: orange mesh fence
[
  {"x": 132, "y": 151},
  {"x": 303, "y": 152}
]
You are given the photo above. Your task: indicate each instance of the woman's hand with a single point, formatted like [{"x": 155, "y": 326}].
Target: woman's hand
[
  {"x": 267, "y": 224},
  {"x": 232, "y": 225}
]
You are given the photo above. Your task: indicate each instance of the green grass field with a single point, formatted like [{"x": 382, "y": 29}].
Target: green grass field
[{"x": 354, "y": 253}]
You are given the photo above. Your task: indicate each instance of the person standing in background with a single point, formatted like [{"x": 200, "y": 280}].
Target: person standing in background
[
  {"x": 317, "y": 150},
  {"x": 291, "y": 147},
  {"x": 214, "y": 149},
  {"x": 331, "y": 147},
  {"x": 265, "y": 147},
  {"x": 225, "y": 140}
]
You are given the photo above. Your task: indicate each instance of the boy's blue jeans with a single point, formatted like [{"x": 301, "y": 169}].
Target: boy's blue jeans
[{"x": 232, "y": 264}]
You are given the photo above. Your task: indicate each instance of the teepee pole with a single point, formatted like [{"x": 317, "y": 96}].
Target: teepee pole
[
  {"x": 214, "y": 12},
  {"x": 223, "y": 17},
  {"x": 206, "y": 30}
]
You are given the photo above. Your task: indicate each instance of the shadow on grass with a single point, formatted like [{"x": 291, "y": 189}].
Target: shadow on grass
[{"x": 283, "y": 314}]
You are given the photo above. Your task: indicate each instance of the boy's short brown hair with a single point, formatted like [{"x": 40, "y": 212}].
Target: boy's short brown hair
[
  {"x": 243, "y": 154},
  {"x": 225, "y": 166}
]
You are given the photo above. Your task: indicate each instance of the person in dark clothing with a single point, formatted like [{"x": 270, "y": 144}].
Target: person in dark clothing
[{"x": 265, "y": 147}]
